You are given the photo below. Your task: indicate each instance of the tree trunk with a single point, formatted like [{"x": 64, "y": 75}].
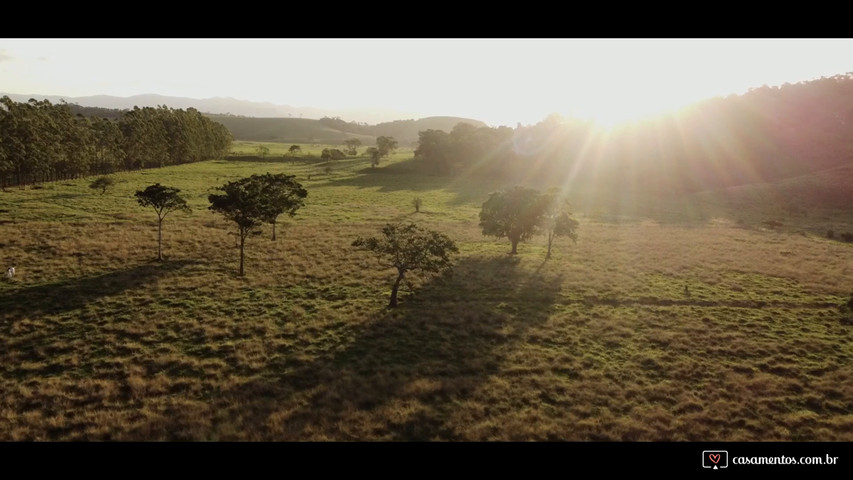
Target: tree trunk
[
  {"x": 242, "y": 243},
  {"x": 550, "y": 239},
  {"x": 394, "y": 289},
  {"x": 514, "y": 246},
  {"x": 160, "y": 240},
  {"x": 273, "y": 230}
]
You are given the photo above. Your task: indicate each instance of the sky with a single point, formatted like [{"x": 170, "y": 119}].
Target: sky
[{"x": 498, "y": 81}]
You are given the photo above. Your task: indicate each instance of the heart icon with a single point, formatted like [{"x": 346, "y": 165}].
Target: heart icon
[{"x": 715, "y": 457}]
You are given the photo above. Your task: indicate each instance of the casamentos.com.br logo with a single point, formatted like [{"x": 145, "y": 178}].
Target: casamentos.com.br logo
[{"x": 715, "y": 459}]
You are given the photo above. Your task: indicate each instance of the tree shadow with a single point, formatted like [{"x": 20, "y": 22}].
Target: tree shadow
[
  {"x": 386, "y": 182},
  {"x": 408, "y": 367},
  {"x": 73, "y": 294}
]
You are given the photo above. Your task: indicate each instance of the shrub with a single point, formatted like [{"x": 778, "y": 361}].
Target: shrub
[{"x": 102, "y": 184}]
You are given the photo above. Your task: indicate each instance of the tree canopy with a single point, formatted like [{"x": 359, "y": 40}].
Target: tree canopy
[
  {"x": 40, "y": 141},
  {"x": 557, "y": 220},
  {"x": 408, "y": 247},
  {"x": 513, "y": 213},
  {"x": 281, "y": 194},
  {"x": 352, "y": 145},
  {"x": 252, "y": 201},
  {"x": 163, "y": 200}
]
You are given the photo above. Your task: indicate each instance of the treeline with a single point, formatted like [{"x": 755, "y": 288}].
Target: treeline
[
  {"x": 769, "y": 133},
  {"x": 336, "y": 123},
  {"x": 405, "y": 131},
  {"x": 40, "y": 141},
  {"x": 481, "y": 151}
]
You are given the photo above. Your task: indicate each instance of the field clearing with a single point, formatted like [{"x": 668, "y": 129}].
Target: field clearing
[{"x": 642, "y": 331}]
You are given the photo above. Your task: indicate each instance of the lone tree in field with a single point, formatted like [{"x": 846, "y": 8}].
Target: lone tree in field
[
  {"x": 373, "y": 153},
  {"x": 386, "y": 145},
  {"x": 102, "y": 184},
  {"x": 514, "y": 213},
  {"x": 352, "y": 145},
  {"x": 294, "y": 149},
  {"x": 262, "y": 150},
  {"x": 557, "y": 220},
  {"x": 243, "y": 202},
  {"x": 163, "y": 200},
  {"x": 280, "y": 194},
  {"x": 409, "y": 247}
]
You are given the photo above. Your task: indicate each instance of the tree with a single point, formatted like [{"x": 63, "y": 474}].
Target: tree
[
  {"x": 515, "y": 213},
  {"x": 262, "y": 150},
  {"x": 241, "y": 203},
  {"x": 102, "y": 183},
  {"x": 352, "y": 145},
  {"x": 557, "y": 220},
  {"x": 280, "y": 194},
  {"x": 332, "y": 154},
  {"x": 386, "y": 145},
  {"x": 407, "y": 248},
  {"x": 252, "y": 201},
  {"x": 374, "y": 155},
  {"x": 435, "y": 150},
  {"x": 294, "y": 149},
  {"x": 163, "y": 200}
]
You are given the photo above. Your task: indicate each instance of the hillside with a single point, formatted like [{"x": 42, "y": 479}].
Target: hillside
[
  {"x": 332, "y": 131},
  {"x": 295, "y": 130},
  {"x": 220, "y": 106},
  {"x": 818, "y": 201}
]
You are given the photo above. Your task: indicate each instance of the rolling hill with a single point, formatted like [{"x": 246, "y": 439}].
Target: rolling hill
[
  {"x": 220, "y": 105},
  {"x": 299, "y": 130}
]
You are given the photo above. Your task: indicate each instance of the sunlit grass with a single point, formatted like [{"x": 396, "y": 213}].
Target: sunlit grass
[{"x": 700, "y": 331}]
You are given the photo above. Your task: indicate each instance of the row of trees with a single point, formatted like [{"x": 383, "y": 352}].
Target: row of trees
[
  {"x": 248, "y": 202},
  {"x": 384, "y": 147},
  {"x": 517, "y": 214},
  {"x": 40, "y": 141}
]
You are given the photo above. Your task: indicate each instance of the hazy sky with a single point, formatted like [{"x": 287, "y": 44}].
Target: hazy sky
[{"x": 499, "y": 81}]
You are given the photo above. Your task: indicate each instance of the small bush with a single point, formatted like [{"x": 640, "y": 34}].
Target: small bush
[
  {"x": 102, "y": 184},
  {"x": 332, "y": 154},
  {"x": 417, "y": 202},
  {"x": 847, "y": 237},
  {"x": 830, "y": 234}
]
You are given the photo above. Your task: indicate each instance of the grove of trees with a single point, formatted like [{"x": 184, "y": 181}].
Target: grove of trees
[
  {"x": 252, "y": 201},
  {"x": 520, "y": 213},
  {"x": 483, "y": 149},
  {"x": 766, "y": 134},
  {"x": 40, "y": 141}
]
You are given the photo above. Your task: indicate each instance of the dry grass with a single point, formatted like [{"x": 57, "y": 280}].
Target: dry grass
[{"x": 602, "y": 342}]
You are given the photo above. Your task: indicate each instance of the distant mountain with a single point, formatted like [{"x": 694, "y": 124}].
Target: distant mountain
[{"x": 223, "y": 106}]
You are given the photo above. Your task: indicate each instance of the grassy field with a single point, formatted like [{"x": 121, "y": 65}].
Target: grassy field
[{"x": 700, "y": 330}]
